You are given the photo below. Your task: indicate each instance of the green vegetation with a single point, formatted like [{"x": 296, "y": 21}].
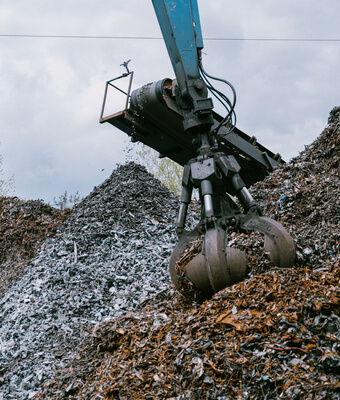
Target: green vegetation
[
  {"x": 164, "y": 169},
  {"x": 66, "y": 201}
]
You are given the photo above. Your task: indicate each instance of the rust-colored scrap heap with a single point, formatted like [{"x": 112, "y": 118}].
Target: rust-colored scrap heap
[
  {"x": 23, "y": 226},
  {"x": 274, "y": 334}
]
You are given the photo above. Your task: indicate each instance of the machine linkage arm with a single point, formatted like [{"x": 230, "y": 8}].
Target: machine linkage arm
[{"x": 181, "y": 29}]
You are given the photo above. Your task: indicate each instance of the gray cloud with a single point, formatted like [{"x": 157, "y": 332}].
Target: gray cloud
[{"x": 51, "y": 89}]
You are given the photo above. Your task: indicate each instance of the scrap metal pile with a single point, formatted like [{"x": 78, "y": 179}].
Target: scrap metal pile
[
  {"x": 23, "y": 226},
  {"x": 272, "y": 336},
  {"x": 94, "y": 316},
  {"x": 109, "y": 255},
  {"x": 275, "y": 335},
  {"x": 304, "y": 197}
]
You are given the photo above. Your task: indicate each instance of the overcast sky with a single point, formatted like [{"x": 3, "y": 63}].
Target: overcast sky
[{"x": 51, "y": 89}]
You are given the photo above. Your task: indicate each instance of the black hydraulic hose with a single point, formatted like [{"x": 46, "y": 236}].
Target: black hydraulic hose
[{"x": 221, "y": 97}]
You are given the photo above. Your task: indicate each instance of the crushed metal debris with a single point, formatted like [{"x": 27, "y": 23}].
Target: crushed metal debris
[
  {"x": 304, "y": 196},
  {"x": 275, "y": 335},
  {"x": 23, "y": 226},
  {"x": 109, "y": 256},
  {"x": 99, "y": 292}
]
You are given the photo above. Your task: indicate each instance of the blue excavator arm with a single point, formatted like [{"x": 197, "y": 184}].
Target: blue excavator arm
[{"x": 181, "y": 29}]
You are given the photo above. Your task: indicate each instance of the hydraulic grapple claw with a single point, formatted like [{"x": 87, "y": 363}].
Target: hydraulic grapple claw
[{"x": 206, "y": 264}]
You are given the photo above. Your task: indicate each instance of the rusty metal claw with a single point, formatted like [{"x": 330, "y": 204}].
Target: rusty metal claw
[
  {"x": 206, "y": 263},
  {"x": 278, "y": 243}
]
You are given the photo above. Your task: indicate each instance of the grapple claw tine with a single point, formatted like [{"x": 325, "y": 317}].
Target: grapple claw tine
[{"x": 278, "y": 242}]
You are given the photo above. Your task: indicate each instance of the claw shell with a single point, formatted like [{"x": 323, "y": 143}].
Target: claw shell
[{"x": 206, "y": 263}]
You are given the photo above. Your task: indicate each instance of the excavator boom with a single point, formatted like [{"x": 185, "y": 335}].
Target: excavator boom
[{"x": 181, "y": 30}]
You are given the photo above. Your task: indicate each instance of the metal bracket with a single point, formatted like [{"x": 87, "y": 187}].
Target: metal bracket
[{"x": 109, "y": 83}]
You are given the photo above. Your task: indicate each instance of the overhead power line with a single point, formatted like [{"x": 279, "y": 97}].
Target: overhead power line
[
  {"x": 159, "y": 38},
  {"x": 274, "y": 39}
]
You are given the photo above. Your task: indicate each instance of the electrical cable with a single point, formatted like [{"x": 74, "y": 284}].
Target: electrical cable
[{"x": 160, "y": 38}]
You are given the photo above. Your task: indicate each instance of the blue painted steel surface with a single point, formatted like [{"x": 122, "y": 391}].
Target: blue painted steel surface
[{"x": 181, "y": 30}]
